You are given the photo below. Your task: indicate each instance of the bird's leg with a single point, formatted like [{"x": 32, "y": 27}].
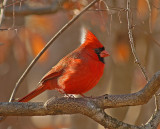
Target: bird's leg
[
  {"x": 70, "y": 96},
  {"x": 65, "y": 95}
]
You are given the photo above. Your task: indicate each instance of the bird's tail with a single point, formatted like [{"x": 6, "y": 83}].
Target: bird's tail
[{"x": 33, "y": 94}]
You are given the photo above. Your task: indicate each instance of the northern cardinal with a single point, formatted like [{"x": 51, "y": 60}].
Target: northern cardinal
[{"x": 77, "y": 72}]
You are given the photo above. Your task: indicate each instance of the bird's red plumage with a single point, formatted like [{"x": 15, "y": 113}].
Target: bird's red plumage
[{"x": 76, "y": 73}]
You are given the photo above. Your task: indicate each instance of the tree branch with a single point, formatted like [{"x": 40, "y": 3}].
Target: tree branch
[
  {"x": 57, "y": 107},
  {"x": 130, "y": 33},
  {"x": 2, "y": 11},
  {"x": 26, "y": 10},
  {"x": 91, "y": 107},
  {"x": 138, "y": 98}
]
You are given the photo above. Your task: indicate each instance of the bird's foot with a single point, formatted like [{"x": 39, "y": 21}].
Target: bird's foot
[{"x": 69, "y": 96}]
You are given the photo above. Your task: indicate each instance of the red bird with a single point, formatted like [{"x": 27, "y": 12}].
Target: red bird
[{"x": 76, "y": 73}]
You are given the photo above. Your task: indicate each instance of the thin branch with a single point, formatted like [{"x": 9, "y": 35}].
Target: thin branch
[
  {"x": 11, "y": 28},
  {"x": 13, "y": 2},
  {"x": 2, "y": 11},
  {"x": 130, "y": 33},
  {"x": 26, "y": 10},
  {"x": 13, "y": 14}
]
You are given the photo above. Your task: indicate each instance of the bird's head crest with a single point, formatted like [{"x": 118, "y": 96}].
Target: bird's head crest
[{"x": 89, "y": 39}]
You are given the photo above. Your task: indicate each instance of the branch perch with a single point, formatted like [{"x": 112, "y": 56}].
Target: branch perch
[{"x": 91, "y": 107}]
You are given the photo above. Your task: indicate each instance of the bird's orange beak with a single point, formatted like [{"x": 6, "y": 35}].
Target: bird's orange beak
[{"x": 104, "y": 53}]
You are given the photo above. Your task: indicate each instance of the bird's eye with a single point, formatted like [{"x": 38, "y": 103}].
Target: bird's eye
[{"x": 99, "y": 50}]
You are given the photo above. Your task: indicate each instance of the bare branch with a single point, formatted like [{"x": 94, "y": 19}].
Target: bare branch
[
  {"x": 2, "y": 11},
  {"x": 26, "y": 10},
  {"x": 138, "y": 98},
  {"x": 13, "y": 2},
  {"x": 130, "y": 33},
  {"x": 62, "y": 106},
  {"x": 13, "y": 14},
  {"x": 12, "y": 28}
]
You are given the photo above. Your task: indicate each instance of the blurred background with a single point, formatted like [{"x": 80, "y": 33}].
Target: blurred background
[{"x": 29, "y": 24}]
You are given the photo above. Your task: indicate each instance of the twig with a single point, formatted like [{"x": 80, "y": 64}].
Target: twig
[
  {"x": 13, "y": 15},
  {"x": 2, "y": 11},
  {"x": 11, "y": 28},
  {"x": 13, "y": 2},
  {"x": 131, "y": 40},
  {"x": 157, "y": 101},
  {"x": 26, "y": 10}
]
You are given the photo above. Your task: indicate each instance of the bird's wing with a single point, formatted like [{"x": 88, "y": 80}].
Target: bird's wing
[
  {"x": 53, "y": 73},
  {"x": 58, "y": 69}
]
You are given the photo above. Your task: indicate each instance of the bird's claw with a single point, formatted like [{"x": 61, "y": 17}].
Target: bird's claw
[{"x": 69, "y": 96}]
